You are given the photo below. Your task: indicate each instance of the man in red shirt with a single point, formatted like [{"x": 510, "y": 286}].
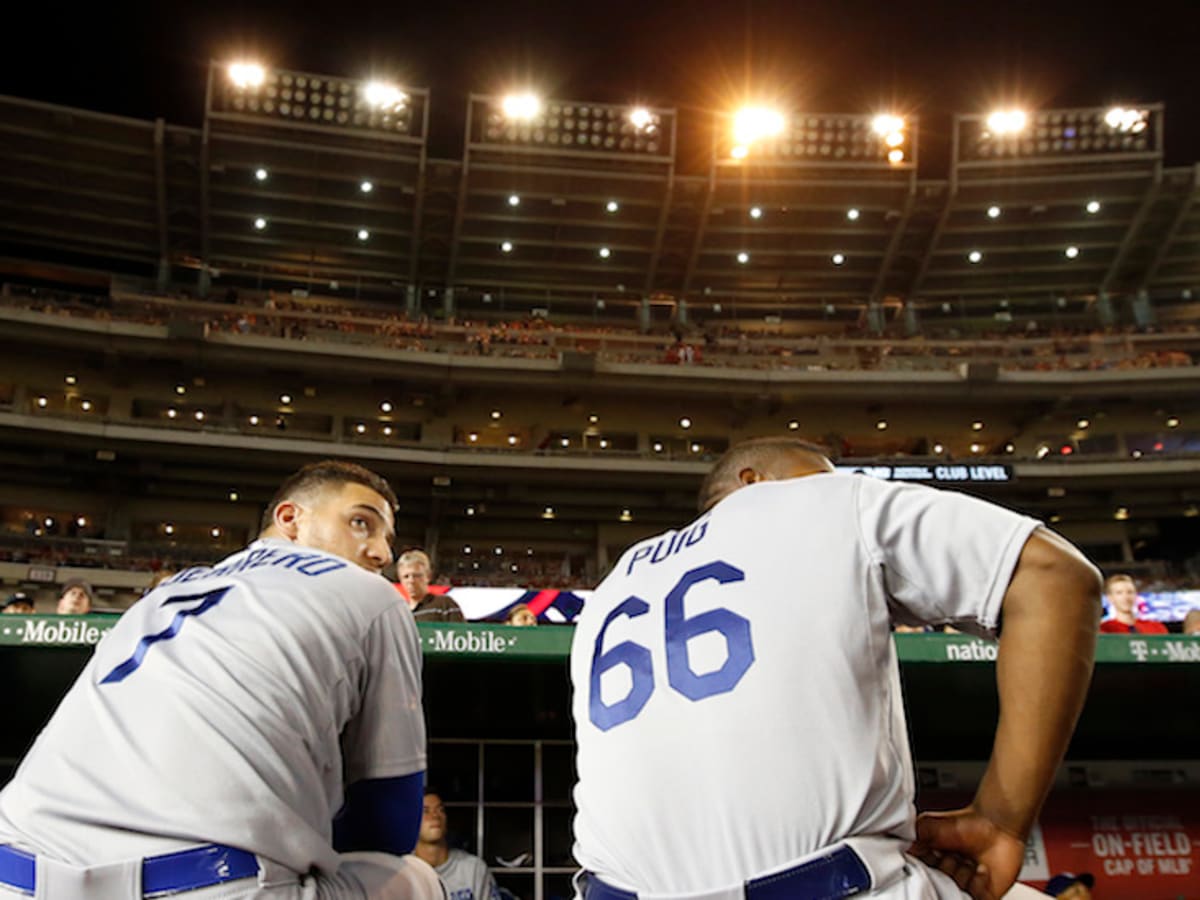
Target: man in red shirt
[{"x": 1122, "y": 596}]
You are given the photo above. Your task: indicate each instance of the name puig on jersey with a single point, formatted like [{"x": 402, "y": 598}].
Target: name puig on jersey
[{"x": 669, "y": 544}]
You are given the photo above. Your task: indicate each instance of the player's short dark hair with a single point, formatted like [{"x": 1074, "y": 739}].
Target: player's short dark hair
[
  {"x": 325, "y": 474},
  {"x": 754, "y": 452}
]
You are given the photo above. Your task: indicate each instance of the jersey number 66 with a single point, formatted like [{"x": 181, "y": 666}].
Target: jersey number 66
[{"x": 679, "y": 630}]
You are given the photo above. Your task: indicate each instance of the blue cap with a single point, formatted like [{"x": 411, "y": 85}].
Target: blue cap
[{"x": 1064, "y": 880}]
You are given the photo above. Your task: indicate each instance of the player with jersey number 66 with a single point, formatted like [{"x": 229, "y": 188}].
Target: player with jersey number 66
[
  {"x": 227, "y": 717},
  {"x": 738, "y": 713}
]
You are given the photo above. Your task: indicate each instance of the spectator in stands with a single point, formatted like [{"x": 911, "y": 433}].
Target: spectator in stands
[
  {"x": 1191, "y": 622},
  {"x": 464, "y": 876},
  {"x": 1069, "y": 886},
  {"x": 1121, "y": 591},
  {"x": 414, "y": 571},
  {"x": 520, "y": 615},
  {"x": 19, "y": 604},
  {"x": 77, "y": 598}
]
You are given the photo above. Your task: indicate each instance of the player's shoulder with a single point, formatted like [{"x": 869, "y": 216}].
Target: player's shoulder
[{"x": 463, "y": 858}]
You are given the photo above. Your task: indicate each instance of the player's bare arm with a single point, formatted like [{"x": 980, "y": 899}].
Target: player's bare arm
[{"x": 1044, "y": 666}]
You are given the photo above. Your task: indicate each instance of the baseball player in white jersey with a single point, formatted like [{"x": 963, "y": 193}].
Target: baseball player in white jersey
[
  {"x": 738, "y": 712},
  {"x": 223, "y": 722}
]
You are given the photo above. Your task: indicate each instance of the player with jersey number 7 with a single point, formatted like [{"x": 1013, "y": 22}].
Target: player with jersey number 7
[
  {"x": 229, "y": 715},
  {"x": 738, "y": 713}
]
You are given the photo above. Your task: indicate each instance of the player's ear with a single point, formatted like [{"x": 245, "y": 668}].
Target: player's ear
[
  {"x": 749, "y": 476},
  {"x": 287, "y": 518}
]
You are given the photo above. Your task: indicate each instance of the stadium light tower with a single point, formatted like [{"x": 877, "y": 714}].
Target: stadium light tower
[
  {"x": 384, "y": 96},
  {"x": 247, "y": 75},
  {"x": 754, "y": 123},
  {"x": 1007, "y": 121},
  {"x": 521, "y": 106}
]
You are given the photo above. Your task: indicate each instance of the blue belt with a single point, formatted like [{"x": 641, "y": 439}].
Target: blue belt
[
  {"x": 183, "y": 871},
  {"x": 840, "y": 873}
]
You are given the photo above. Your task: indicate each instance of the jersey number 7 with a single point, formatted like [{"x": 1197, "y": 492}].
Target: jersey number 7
[
  {"x": 678, "y": 630},
  {"x": 204, "y": 602}
]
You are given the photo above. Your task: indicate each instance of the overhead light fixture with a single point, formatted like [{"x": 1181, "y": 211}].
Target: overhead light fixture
[
  {"x": 71, "y": 379},
  {"x": 1121, "y": 514},
  {"x": 363, "y": 234},
  {"x": 253, "y": 420},
  {"x": 793, "y": 425},
  {"x": 1083, "y": 424},
  {"x": 172, "y": 412},
  {"x": 977, "y": 425},
  {"x": 86, "y": 405},
  {"x": 470, "y": 510},
  {"x": 360, "y": 428},
  {"x": 260, "y": 223},
  {"x": 605, "y": 253},
  {"x": 285, "y": 399},
  {"x": 612, "y": 206},
  {"x": 641, "y": 118},
  {"x": 887, "y": 124},
  {"x": 506, "y": 247},
  {"x": 993, "y": 212},
  {"x": 685, "y": 422},
  {"x": 1071, "y": 252},
  {"x": 743, "y": 258},
  {"x": 626, "y": 516},
  {"x": 974, "y": 257},
  {"x": 938, "y": 448},
  {"x": 42, "y": 402},
  {"x": 384, "y": 96},
  {"x": 366, "y": 187},
  {"x": 1093, "y": 207},
  {"x": 1172, "y": 421},
  {"x": 895, "y": 156},
  {"x": 756, "y": 212},
  {"x": 496, "y": 414},
  {"x": 1007, "y": 121},
  {"x": 521, "y": 106},
  {"x": 512, "y": 440},
  {"x": 839, "y": 259},
  {"x": 215, "y": 532},
  {"x": 975, "y": 448},
  {"x": 385, "y": 406},
  {"x": 387, "y": 430},
  {"x": 881, "y": 425},
  {"x": 260, "y": 174},
  {"x": 753, "y": 123},
  {"x": 473, "y": 436},
  {"x": 245, "y": 75},
  {"x": 548, "y": 512},
  {"x": 514, "y": 200},
  {"x": 198, "y": 415},
  {"x": 233, "y": 496},
  {"x": 658, "y": 447},
  {"x": 852, "y": 214}
]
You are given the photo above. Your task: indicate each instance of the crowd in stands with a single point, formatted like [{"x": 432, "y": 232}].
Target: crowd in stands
[{"x": 850, "y": 347}]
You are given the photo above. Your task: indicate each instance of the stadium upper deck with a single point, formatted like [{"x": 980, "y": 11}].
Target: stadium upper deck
[{"x": 309, "y": 181}]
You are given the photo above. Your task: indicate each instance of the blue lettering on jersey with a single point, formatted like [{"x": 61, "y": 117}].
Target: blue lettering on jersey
[
  {"x": 462, "y": 894},
  {"x": 206, "y": 602},
  {"x": 669, "y": 544},
  {"x": 311, "y": 564}
]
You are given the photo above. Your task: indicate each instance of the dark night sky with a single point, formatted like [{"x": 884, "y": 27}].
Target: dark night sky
[{"x": 929, "y": 58}]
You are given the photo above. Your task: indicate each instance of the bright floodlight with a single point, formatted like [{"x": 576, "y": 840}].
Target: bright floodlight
[
  {"x": 1007, "y": 121},
  {"x": 514, "y": 200},
  {"x": 852, "y": 214},
  {"x": 521, "y": 106},
  {"x": 366, "y": 187},
  {"x": 895, "y": 155},
  {"x": 739, "y": 152},
  {"x": 974, "y": 256},
  {"x": 1122, "y": 119},
  {"x": 839, "y": 259},
  {"x": 363, "y": 234},
  {"x": 1071, "y": 252},
  {"x": 605, "y": 253},
  {"x": 886, "y": 125},
  {"x": 640, "y": 117},
  {"x": 612, "y": 206},
  {"x": 743, "y": 257},
  {"x": 260, "y": 223},
  {"x": 993, "y": 212},
  {"x": 756, "y": 212},
  {"x": 247, "y": 75},
  {"x": 1093, "y": 207},
  {"x": 260, "y": 174},
  {"x": 506, "y": 247},
  {"x": 382, "y": 95},
  {"x": 753, "y": 123}
]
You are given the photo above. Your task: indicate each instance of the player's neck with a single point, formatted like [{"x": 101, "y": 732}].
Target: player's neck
[
  {"x": 434, "y": 853},
  {"x": 1127, "y": 618}
]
